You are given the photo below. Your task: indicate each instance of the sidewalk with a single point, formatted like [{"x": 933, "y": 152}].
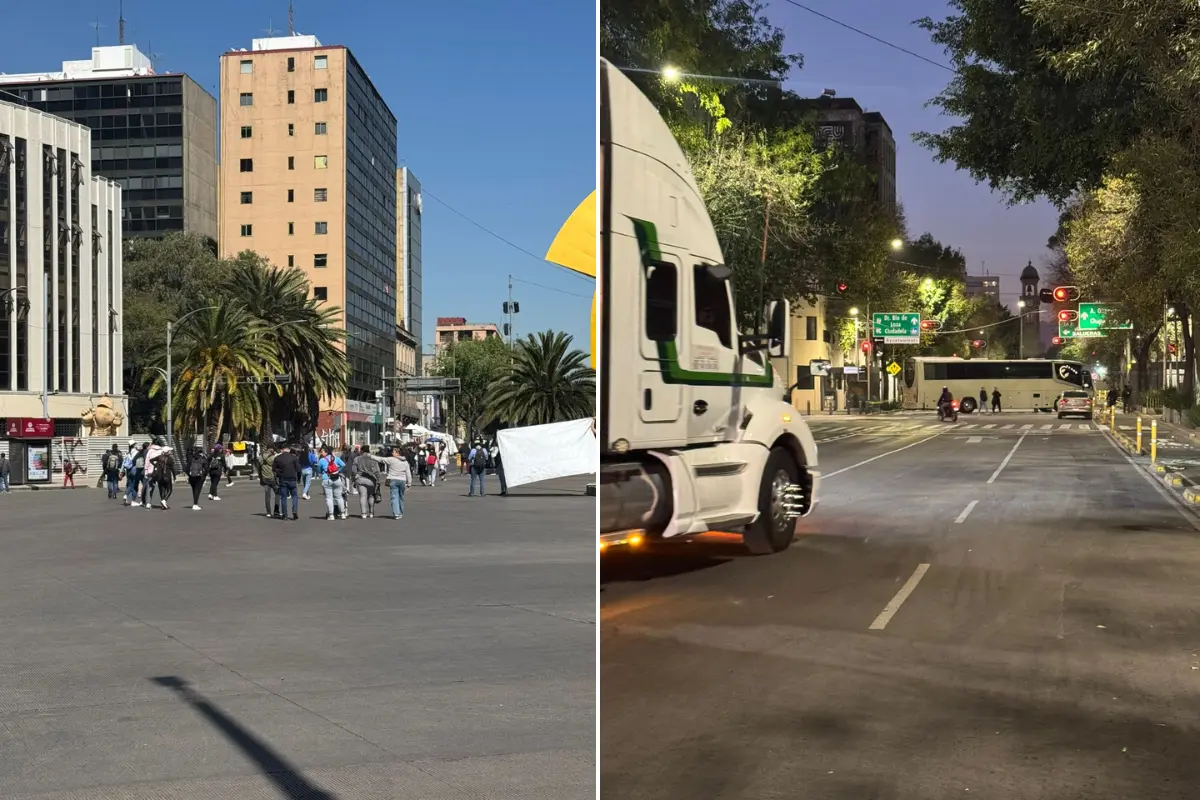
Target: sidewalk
[
  {"x": 1177, "y": 456},
  {"x": 1174, "y": 441}
]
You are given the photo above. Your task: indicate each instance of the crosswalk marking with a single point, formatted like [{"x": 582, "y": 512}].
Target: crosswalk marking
[
  {"x": 989, "y": 427},
  {"x": 1047, "y": 427},
  {"x": 1025, "y": 427},
  {"x": 1005, "y": 427}
]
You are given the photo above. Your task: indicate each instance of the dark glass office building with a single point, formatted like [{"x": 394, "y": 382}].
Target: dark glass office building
[{"x": 155, "y": 135}]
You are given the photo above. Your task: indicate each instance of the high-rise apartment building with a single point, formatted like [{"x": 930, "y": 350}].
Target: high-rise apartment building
[
  {"x": 841, "y": 120},
  {"x": 408, "y": 264},
  {"x": 308, "y": 180},
  {"x": 983, "y": 286},
  {"x": 155, "y": 135}
]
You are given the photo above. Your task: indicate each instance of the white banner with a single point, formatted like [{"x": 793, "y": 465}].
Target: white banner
[{"x": 542, "y": 452}]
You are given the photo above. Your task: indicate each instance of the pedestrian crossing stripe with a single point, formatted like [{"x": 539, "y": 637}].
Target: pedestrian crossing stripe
[{"x": 842, "y": 431}]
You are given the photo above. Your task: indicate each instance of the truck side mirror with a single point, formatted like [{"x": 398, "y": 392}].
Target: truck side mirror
[{"x": 779, "y": 328}]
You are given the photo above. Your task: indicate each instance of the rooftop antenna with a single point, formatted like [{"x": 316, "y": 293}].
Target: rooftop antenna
[
  {"x": 291, "y": 20},
  {"x": 121, "y": 24},
  {"x": 154, "y": 57},
  {"x": 270, "y": 29},
  {"x": 97, "y": 25}
]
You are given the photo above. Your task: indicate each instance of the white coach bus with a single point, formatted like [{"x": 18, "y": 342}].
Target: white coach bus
[{"x": 1025, "y": 383}]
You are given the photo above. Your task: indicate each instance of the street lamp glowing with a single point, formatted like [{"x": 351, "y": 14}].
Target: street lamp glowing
[
  {"x": 897, "y": 244},
  {"x": 1020, "y": 304},
  {"x": 670, "y": 74},
  {"x": 854, "y": 312}
]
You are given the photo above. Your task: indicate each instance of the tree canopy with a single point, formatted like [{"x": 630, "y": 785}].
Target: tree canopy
[{"x": 477, "y": 363}]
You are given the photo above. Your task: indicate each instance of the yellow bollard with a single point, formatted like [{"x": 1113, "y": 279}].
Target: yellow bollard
[
  {"x": 1139, "y": 436},
  {"x": 1112, "y": 418},
  {"x": 1153, "y": 440}
]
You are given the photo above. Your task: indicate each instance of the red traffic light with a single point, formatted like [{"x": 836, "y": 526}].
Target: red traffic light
[
  {"x": 1068, "y": 316},
  {"x": 1057, "y": 340},
  {"x": 930, "y": 324},
  {"x": 842, "y": 287},
  {"x": 1170, "y": 348},
  {"x": 978, "y": 344},
  {"x": 1065, "y": 294},
  {"x": 866, "y": 346}
]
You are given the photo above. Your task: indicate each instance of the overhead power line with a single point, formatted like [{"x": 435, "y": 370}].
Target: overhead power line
[
  {"x": 870, "y": 36},
  {"x": 493, "y": 234},
  {"x": 551, "y": 288}
]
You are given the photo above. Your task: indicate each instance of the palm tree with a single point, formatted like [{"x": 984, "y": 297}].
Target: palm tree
[
  {"x": 303, "y": 336},
  {"x": 548, "y": 382},
  {"x": 221, "y": 349}
]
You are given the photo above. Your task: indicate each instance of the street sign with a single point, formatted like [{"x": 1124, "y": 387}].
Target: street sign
[
  {"x": 1102, "y": 316},
  {"x": 893, "y": 369},
  {"x": 897, "y": 328},
  {"x": 819, "y": 366},
  {"x": 1069, "y": 330},
  {"x": 429, "y": 385}
]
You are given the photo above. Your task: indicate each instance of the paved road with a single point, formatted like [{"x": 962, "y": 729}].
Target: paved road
[
  {"x": 1003, "y": 615},
  {"x": 218, "y": 654}
]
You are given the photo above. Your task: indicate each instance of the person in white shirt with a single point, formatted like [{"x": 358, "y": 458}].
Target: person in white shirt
[{"x": 398, "y": 475}]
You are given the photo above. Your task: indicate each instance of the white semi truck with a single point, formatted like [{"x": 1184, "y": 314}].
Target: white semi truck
[{"x": 695, "y": 433}]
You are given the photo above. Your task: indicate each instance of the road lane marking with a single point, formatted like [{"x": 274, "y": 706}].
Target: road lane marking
[
  {"x": 974, "y": 439},
  {"x": 1007, "y": 458},
  {"x": 989, "y": 427},
  {"x": 968, "y": 427},
  {"x": 1064, "y": 427},
  {"x": 1047, "y": 427},
  {"x": 1005, "y": 427},
  {"x": 961, "y": 518},
  {"x": 1026, "y": 427},
  {"x": 891, "y": 608},
  {"x": 876, "y": 458}
]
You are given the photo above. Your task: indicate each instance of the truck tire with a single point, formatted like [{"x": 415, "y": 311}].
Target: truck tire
[
  {"x": 772, "y": 532},
  {"x": 967, "y": 406}
]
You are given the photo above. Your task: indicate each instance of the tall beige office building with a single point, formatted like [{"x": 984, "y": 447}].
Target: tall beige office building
[{"x": 308, "y": 180}]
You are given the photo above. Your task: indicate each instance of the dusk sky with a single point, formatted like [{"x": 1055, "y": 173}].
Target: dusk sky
[{"x": 936, "y": 197}]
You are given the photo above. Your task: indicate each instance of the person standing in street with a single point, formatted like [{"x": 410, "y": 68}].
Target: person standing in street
[
  {"x": 478, "y": 459},
  {"x": 216, "y": 465},
  {"x": 112, "y": 471},
  {"x": 498, "y": 460},
  {"x": 68, "y": 473},
  {"x": 365, "y": 477},
  {"x": 996, "y": 400},
  {"x": 286, "y": 468},
  {"x": 308, "y": 461},
  {"x": 399, "y": 475},
  {"x": 982, "y": 400},
  {"x": 329, "y": 468},
  {"x": 134, "y": 473},
  {"x": 197, "y": 471},
  {"x": 5, "y": 470}
]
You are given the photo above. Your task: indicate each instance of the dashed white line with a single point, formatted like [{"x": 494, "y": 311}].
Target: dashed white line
[
  {"x": 1047, "y": 427},
  {"x": 1005, "y": 427},
  {"x": 989, "y": 427},
  {"x": 961, "y": 518},
  {"x": 891, "y": 608},
  {"x": 974, "y": 439},
  {"x": 1007, "y": 458},
  {"x": 876, "y": 458},
  {"x": 1026, "y": 427}
]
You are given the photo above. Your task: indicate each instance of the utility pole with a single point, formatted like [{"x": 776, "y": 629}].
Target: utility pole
[{"x": 511, "y": 309}]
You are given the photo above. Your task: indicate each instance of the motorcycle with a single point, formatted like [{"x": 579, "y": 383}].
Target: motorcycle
[{"x": 948, "y": 414}]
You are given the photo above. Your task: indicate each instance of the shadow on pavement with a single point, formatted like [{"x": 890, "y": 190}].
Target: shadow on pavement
[
  {"x": 288, "y": 780},
  {"x": 663, "y": 561}
]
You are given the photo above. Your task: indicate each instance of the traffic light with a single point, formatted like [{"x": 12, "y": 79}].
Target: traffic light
[
  {"x": 1066, "y": 294},
  {"x": 1046, "y": 295},
  {"x": 979, "y": 344},
  {"x": 842, "y": 287},
  {"x": 1057, "y": 340},
  {"x": 1170, "y": 348},
  {"x": 930, "y": 324},
  {"x": 866, "y": 346},
  {"x": 1068, "y": 316}
]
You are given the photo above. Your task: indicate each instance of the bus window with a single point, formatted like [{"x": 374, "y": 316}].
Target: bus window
[{"x": 910, "y": 372}]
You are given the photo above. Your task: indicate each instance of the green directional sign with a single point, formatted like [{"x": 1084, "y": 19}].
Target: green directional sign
[
  {"x": 1068, "y": 330},
  {"x": 897, "y": 328},
  {"x": 1102, "y": 316}
]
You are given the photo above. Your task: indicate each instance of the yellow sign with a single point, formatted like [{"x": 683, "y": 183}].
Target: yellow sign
[
  {"x": 575, "y": 248},
  {"x": 893, "y": 369}
]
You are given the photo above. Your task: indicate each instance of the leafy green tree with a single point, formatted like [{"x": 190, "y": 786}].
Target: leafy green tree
[
  {"x": 303, "y": 335},
  {"x": 928, "y": 256},
  {"x": 548, "y": 381},
  {"x": 222, "y": 347},
  {"x": 476, "y": 364}
]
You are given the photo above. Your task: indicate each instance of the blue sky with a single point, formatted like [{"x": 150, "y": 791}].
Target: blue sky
[
  {"x": 495, "y": 105},
  {"x": 936, "y": 197}
]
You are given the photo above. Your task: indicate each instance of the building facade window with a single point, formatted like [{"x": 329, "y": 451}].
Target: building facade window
[
  {"x": 321, "y": 260},
  {"x": 247, "y": 67},
  {"x": 247, "y": 198},
  {"x": 247, "y": 230},
  {"x": 320, "y": 129},
  {"x": 320, "y": 293},
  {"x": 320, "y": 95},
  {"x": 320, "y": 62},
  {"x": 291, "y": 229},
  {"x": 321, "y": 228},
  {"x": 291, "y": 261},
  {"x": 246, "y": 165},
  {"x": 291, "y": 97},
  {"x": 291, "y": 162},
  {"x": 291, "y": 129},
  {"x": 291, "y": 195},
  {"x": 810, "y": 328},
  {"x": 247, "y": 131},
  {"x": 291, "y": 64},
  {"x": 246, "y": 98},
  {"x": 320, "y": 195},
  {"x": 321, "y": 162}
]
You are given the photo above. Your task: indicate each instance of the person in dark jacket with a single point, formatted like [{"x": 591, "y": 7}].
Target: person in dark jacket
[
  {"x": 216, "y": 466},
  {"x": 197, "y": 470},
  {"x": 265, "y": 462},
  {"x": 287, "y": 472},
  {"x": 112, "y": 471}
]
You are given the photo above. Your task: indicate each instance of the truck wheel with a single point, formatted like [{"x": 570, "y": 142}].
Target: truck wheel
[{"x": 772, "y": 532}]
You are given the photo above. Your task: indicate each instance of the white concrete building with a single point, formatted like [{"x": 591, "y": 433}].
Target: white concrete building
[{"x": 60, "y": 273}]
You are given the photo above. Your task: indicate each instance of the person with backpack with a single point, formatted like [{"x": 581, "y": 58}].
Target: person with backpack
[
  {"x": 112, "y": 471},
  {"x": 134, "y": 473},
  {"x": 162, "y": 465},
  {"x": 365, "y": 470},
  {"x": 478, "y": 459},
  {"x": 329, "y": 468},
  {"x": 216, "y": 465},
  {"x": 197, "y": 470},
  {"x": 286, "y": 468},
  {"x": 431, "y": 469}
]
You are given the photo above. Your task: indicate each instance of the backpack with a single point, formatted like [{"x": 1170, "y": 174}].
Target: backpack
[
  {"x": 112, "y": 463},
  {"x": 139, "y": 461},
  {"x": 164, "y": 471},
  {"x": 431, "y": 459},
  {"x": 332, "y": 466},
  {"x": 481, "y": 458},
  {"x": 197, "y": 470}
]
